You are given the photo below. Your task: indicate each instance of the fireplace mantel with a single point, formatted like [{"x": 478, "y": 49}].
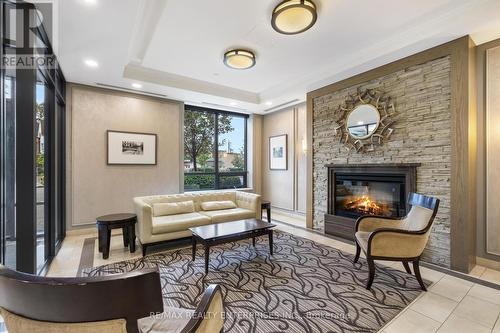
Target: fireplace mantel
[
  {"x": 373, "y": 165},
  {"x": 339, "y": 220}
]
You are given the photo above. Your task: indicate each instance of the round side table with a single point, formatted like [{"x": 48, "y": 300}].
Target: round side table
[{"x": 114, "y": 221}]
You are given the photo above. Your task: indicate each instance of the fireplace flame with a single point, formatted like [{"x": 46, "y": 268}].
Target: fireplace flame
[{"x": 365, "y": 205}]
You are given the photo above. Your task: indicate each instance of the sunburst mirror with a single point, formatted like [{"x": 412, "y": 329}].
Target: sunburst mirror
[{"x": 365, "y": 120}]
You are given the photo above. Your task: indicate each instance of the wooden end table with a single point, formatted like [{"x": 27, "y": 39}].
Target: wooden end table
[
  {"x": 114, "y": 221},
  {"x": 221, "y": 233},
  {"x": 267, "y": 206}
]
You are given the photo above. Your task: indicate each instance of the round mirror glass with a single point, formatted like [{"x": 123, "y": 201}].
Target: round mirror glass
[{"x": 363, "y": 121}]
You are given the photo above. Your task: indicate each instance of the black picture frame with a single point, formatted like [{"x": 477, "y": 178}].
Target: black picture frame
[{"x": 285, "y": 152}]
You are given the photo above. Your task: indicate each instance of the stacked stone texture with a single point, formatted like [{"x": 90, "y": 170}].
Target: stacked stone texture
[{"x": 422, "y": 98}]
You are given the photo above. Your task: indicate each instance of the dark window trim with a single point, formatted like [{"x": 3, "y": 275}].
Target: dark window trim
[
  {"x": 26, "y": 232},
  {"x": 2, "y": 145},
  {"x": 209, "y": 110},
  {"x": 216, "y": 173}
]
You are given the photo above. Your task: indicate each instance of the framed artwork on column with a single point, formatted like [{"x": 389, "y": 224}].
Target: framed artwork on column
[{"x": 278, "y": 152}]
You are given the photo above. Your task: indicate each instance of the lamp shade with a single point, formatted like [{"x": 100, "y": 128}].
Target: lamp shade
[
  {"x": 239, "y": 59},
  {"x": 294, "y": 16}
]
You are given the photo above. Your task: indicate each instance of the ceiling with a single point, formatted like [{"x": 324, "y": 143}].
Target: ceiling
[{"x": 175, "y": 47}]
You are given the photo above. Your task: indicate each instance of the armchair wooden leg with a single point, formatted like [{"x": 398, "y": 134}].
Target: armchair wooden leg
[
  {"x": 407, "y": 267},
  {"x": 416, "y": 269},
  {"x": 371, "y": 272},
  {"x": 358, "y": 252}
]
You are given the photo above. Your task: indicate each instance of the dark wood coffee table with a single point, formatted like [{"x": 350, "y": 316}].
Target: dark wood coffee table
[{"x": 215, "y": 234}]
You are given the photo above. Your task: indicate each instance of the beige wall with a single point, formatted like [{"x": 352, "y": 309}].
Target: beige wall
[
  {"x": 95, "y": 188},
  {"x": 255, "y": 153},
  {"x": 487, "y": 172},
  {"x": 285, "y": 189}
]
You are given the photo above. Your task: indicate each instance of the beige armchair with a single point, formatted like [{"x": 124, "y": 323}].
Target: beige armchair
[
  {"x": 397, "y": 239},
  {"x": 125, "y": 303}
]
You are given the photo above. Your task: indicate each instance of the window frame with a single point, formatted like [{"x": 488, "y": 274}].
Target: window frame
[{"x": 217, "y": 173}]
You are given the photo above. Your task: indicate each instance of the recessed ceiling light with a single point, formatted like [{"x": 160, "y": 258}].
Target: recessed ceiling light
[
  {"x": 233, "y": 103},
  {"x": 269, "y": 103},
  {"x": 360, "y": 123},
  {"x": 239, "y": 59},
  {"x": 137, "y": 85},
  {"x": 90, "y": 2},
  {"x": 91, "y": 63},
  {"x": 291, "y": 17}
]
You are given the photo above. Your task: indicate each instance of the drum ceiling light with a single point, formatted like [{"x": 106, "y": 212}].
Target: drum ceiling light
[
  {"x": 239, "y": 59},
  {"x": 292, "y": 17}
]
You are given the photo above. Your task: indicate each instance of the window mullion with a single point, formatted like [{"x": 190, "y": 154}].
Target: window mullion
[{"x": 216, "y": 151}]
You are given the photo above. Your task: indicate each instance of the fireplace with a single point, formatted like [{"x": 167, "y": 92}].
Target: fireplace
[{"x": 357, "y": 190}]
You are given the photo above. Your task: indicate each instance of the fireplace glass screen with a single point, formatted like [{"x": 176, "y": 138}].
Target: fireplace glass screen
[{"x": 363, "y": 194}]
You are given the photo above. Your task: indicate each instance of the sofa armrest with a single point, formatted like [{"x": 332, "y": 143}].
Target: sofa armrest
[
  {"x": 144, "y": 219},
  {"x": 250, "y": 201}
]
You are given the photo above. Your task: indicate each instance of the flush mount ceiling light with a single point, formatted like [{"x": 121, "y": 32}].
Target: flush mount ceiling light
[
  {"x": 292, "y": 17},
  {"x": 239, "y": 59}
]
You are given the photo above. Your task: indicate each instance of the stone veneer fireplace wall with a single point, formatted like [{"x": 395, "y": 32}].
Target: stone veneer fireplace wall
[{"x": 422, "y": 97}]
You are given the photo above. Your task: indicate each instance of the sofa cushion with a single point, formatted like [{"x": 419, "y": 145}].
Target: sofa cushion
[
  {"x": 180, "y": 222},
  {"x": 173, "y": 208},
  {"x": 227, "y": 215},
  {"x": 18, "y": 324},
  {"x": 217, "y": 205}
]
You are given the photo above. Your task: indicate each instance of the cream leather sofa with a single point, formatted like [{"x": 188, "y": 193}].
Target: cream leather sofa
[{"x": 163, "y": 218}]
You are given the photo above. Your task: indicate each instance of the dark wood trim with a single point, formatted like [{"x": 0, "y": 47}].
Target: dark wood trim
[
  {"x": 463, "y": 114},
  {"x": 286, "y": 150},
  {"x": 166, "y": 242},
  {"x": 138, "y": 133},
  {"x": 208, "y": 243},
  {"x": 130, "y": 296},
  {"x": 201, "y": 311}
]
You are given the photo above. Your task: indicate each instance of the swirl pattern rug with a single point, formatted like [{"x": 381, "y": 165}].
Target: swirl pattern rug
[{"x": 303, "y": 287}]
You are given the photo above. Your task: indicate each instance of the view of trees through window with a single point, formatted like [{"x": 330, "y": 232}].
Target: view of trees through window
[{"x": 214, "y": 149}]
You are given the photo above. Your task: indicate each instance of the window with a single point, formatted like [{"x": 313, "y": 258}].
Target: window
[
  {"x": 32, "y": 109},
  {"x": 215, "y": 149}
]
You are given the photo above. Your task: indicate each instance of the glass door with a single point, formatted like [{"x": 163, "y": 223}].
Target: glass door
[
  {"x": 8, "y": 226},
  {"x": 32, "y": 134},
  {"x": 41, "y": 166}
]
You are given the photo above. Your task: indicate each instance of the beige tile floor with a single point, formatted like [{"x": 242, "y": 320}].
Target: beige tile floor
[
  {"x": 289, "y": 218},
  {"x": 451, "y": 304}
]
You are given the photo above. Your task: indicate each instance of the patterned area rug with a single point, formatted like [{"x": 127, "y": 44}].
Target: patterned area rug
[{"x": 303, "y": 287}]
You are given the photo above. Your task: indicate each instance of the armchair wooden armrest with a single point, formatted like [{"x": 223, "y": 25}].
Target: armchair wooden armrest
[
  {"x": 371, "y": 223},
  {"x": 209, "y": 315},
  {"x": 397, "y": 239}
]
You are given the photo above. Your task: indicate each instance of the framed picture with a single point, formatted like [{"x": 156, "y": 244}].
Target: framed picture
[
  {"x": 130, "y": 148},
  {"x": 278, "y": 152}
]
